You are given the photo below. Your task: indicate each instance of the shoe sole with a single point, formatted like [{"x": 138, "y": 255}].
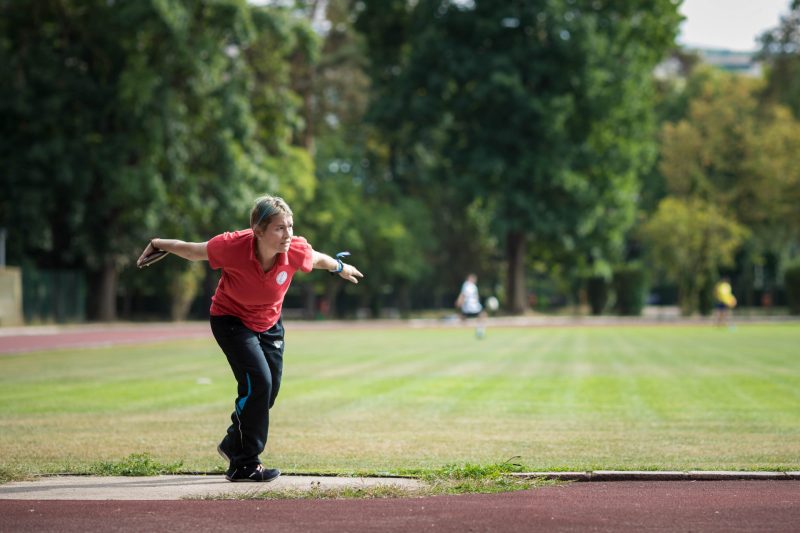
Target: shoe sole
[{"x": 250, "y": 480}]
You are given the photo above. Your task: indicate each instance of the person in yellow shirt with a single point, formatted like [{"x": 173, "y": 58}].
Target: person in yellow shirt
[{"x": 725, "y": 300}]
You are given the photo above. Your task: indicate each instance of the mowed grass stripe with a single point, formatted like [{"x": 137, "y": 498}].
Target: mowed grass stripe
[
  {"x": 394, "y": 399},
  {"x": 467, "y": 391},
  {"x": 121, "y": 379}
]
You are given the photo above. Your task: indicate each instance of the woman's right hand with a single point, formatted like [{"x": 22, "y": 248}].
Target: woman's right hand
[{"x": 148, "y": 254}]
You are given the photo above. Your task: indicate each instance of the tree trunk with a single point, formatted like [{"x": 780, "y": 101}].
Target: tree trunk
[
  {"x": 184, "y": 288},
  {"x": 309, "y": 301},
  {"x": 404, "y": 300},
  {"x": 517, "y": 294},
  {"x": 687, "y": 296},
  {"x": 103, "y": 294},
  {"x": 331, "y": 292}
]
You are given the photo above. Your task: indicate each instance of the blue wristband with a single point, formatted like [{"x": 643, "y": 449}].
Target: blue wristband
[{"x": 339, "y": 260}]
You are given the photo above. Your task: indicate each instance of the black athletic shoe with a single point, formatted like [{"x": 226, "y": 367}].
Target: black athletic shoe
[
  {"x": 252, "y": 473},
  {"x": 222, "y": 453}
]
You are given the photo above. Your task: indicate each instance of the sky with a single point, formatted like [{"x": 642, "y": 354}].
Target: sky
[{"x": 729, "y": 24}]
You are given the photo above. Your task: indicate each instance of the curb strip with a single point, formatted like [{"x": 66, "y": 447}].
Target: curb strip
[{"x": 644, "y": 475}]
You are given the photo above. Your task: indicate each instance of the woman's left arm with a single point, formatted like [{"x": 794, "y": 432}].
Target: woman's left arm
[{"x": 348, "y": 272}]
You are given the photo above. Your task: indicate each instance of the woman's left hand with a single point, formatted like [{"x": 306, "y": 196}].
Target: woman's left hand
[{"x": 350, "y": 273}]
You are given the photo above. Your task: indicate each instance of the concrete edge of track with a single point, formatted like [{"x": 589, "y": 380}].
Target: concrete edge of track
[
  {"x": 656, "y": 475},
  {"x": 177, "y": 487}
]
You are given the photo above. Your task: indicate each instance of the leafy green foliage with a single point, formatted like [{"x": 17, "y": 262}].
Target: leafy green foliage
[
  {"x": 450, "y": 479},
  {"x": 136, "y": 464},
  {"x": 129, "y": 119},
  {"x": 689, "y": 240},
  {"x": 474, "y": 471},
  {"x": 8, "y": 474},
  {"x": 731, "y": 151},
  {"x": 780, "y": 49},
  {"x": 539, "y": 108},
  {"x": 475, "y": 478},
  {"x": 430, "y": 138},
  {"x": 739, "y": 154},
  {"x": 630, "y": 284},
  {"x": 353, "y": 207}
]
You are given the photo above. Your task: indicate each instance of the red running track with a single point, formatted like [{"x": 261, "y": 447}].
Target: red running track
[
  {"x": 47, "y": 338},
  {"x": 724, "y": 506},
  {"x": 34, "y": 339}
]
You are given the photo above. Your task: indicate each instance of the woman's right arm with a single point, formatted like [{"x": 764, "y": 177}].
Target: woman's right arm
[{"x": 193, "y": 251}]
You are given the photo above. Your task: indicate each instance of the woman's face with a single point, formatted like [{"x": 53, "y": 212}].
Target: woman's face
[{"x": 278, "y": 234}]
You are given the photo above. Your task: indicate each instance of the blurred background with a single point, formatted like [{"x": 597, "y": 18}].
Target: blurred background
[{"x": 580, "y": 156}]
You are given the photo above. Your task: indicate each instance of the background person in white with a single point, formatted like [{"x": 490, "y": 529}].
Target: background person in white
[{"x": 469, "y": 304}]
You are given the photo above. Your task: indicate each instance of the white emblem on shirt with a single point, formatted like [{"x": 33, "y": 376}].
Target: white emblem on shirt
[{"x": 281, "y": 277}]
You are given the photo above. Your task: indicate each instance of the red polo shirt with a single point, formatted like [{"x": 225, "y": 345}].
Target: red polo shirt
[{"x": 245, "y": 290}]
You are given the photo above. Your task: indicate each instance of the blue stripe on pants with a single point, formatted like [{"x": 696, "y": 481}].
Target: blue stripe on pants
[{"x": 242, "y": 401}]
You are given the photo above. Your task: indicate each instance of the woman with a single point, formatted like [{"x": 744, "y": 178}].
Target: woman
[{"x": 257, "y": 268}]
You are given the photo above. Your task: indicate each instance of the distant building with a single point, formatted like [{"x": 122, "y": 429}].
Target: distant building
[
  {"x": 737, "y": 62},
  {"x": 683, "y": 60}
]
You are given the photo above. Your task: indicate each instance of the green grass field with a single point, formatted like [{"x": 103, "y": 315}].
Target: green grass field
[{"x": 399, "y": 400}]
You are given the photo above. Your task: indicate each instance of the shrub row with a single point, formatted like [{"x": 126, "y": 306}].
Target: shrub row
[{"x": 629, "y": 284}]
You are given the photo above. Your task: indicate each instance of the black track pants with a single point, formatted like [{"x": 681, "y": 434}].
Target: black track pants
[{"x": 257, "y": 363}]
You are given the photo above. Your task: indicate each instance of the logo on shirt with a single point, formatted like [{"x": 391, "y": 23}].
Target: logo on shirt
[{"x": 281, "y": 277}]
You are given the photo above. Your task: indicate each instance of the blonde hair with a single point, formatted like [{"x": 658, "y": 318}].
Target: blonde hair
[{"x": 265, "y": 209}]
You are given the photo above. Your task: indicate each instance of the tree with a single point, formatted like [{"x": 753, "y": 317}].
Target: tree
[
  {"x": 689, "y": 240},
  {"x": 677, "y": 81},
  {"x": 126, "y": 117},
  {"x": 780, "y": 50},
  {"x": 540, "y": 109},
  {"x": 739, "y": 154},
  {"x": 352, "y": 207}
]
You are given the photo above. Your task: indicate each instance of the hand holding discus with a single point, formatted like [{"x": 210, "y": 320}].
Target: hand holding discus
[{"x": 151, "y": 255}]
